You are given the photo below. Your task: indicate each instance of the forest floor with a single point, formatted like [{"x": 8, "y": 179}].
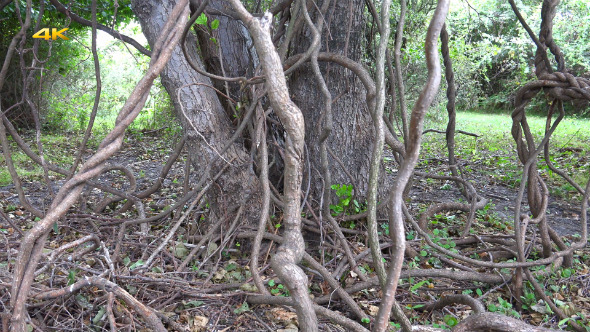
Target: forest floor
[{"x": 210, "y": 293}]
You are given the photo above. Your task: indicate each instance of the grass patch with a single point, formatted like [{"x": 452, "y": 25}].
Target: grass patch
[
  {"x": 494, "y": 153},
  {"x": 25, "y": 167},
  {"x": 61, "y": 148},
  {"x": 58, "y": 150},
  {"x": 573, "y": 132}
]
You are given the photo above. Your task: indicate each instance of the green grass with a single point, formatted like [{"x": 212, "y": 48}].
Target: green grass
[
  {"x": 496, "y": 129},
  {"x": 494, "y": 152},
  {"x": 58, "y": 149}
]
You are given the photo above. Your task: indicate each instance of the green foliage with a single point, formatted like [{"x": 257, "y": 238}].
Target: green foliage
[
  {"x": 202, "y": 19},
  {"x": 503, "y": 307},
  {"x": 528, "y": 300},
  {"x": 215, "y": 24},
  {"x": 192, "y": 304},
  {"x": 68, "y": 83},
  {"x": 70, "y": 87},
  {"x": 71, "y": 277},
  {"x": 346, "y": 203},
  {"x": 135, "y": 265},
  {"x": 243, "y": 308},
  {"x": 415, "y": 287},
  {"x": 277, "y": 289},
  {"x": 450, "y": 320},
  {"x": 493, "y": 55}
]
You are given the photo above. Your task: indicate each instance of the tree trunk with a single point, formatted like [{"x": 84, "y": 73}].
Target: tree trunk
[
  {"x": 230, "y": 45},
  {"x": 351, "y": 138},
  {"x": 203, "y": 118}
]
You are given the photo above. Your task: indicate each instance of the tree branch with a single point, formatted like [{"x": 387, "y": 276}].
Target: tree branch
[{"x": 62, "y": 9}]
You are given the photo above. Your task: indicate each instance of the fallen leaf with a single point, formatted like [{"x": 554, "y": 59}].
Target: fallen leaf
[
  {"x": 199, "y": 323},
  {"x": 540, "y": 307},
  {"x": 373, "y": 310},
  {"x": 281, "y": 315},
  {"x": 180, "y": 250}
]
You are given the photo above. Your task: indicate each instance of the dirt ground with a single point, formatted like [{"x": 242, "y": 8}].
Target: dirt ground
[{"x": 207, "y": 302}]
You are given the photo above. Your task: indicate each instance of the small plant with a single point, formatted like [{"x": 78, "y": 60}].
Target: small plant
[
  {"x": 385, "y": 227},
  {"x": 71, "y": 277},
  {"x": 528, "y": 300},
  {"x": 277, "y": 289},
  {"x": 450, "y": 320},
  {"x": 346, "y": 204},
  {"x": 414, "y": 288},
  {"x": 344, "y": 192},
  {"x": 243, "y": 308},
  {"x": 488, "y": 214},
  {"x": 504, "y": 307}
]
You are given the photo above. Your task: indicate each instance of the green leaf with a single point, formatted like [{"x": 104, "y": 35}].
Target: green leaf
[
  {"x": 136, "y": 264},
  {"x": 271, "y": 282},
  {"x": 366, "y": 320},
  {"x": 126, "y": 261},
  {"x": 418, "y": 285},
  {"x": 83, "y": 302},
  {"x": 202, "y": 20},
  {"x": 193, "y": 304},
  {"x": 236, "y": 275},
  {"x": 479, "y": 292},
  {"x": 99, "y": 315},
  {"x": 450, "y": 320},
  {"x": 243, "y": 308},
  {"x": 71, "y": 277},
  {"x": 180, "y": 250},
  {"x": 55, "y": 228},
  {"x": 215, "y": 24}
]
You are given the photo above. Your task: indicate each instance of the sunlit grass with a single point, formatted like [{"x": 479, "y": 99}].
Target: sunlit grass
[
  {"x": 58, "y": 149},
  {"x": 494, "y": 153},
  {"x": 496, "y": 128}
]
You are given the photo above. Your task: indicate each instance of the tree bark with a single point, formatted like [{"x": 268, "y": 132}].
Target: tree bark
[
  {"x": 203, "y": 118},
  {"x": 351, "y": 138},
  {"x": 226, "y": 51}
]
